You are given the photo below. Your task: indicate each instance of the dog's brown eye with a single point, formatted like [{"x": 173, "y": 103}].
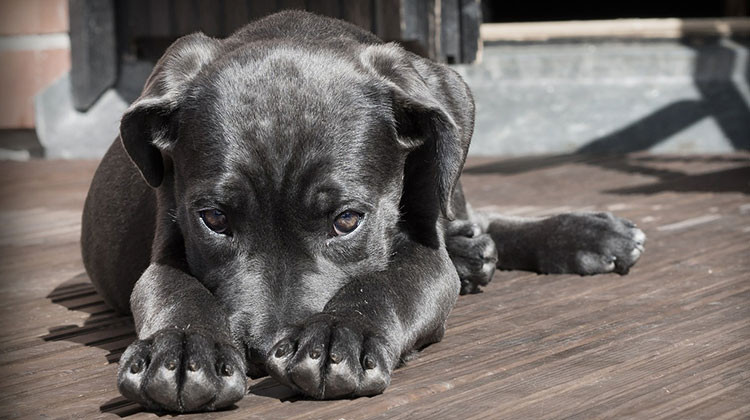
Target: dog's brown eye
[
  {"x": 346, "y": 222},
  {"x": 215, "y": 220}
]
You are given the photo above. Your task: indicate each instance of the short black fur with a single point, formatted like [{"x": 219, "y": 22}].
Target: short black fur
[{"x": 281, "y": 127}]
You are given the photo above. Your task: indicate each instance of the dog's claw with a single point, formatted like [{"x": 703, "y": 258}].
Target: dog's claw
[
  {"x": 327, "y": 363},
  {"x": 175, "y": 381},
  {"x": 473, "y": 254}
]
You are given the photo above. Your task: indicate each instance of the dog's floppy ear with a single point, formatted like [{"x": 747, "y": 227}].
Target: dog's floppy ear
[
  {"x": 438, "y": 139},
  {"x": 148, "y": 128}
]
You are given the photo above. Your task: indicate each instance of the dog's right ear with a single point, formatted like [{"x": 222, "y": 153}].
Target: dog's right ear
[
  {"x": 421, "y": 92},
  {"x": 148, "y": 127}
]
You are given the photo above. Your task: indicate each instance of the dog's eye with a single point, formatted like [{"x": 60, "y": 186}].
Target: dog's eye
[
  {"x": 215, "y": 220},
  {"x": 346, "y": 222}
]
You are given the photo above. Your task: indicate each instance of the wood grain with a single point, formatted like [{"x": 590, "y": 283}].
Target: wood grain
[{"x": 669, "y": 340}]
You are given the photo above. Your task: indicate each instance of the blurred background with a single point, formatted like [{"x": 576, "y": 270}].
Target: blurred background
[{"x": 548, "y": 77}]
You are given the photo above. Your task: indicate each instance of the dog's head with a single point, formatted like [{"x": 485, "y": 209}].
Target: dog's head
[{"x": 292, "y": 169}]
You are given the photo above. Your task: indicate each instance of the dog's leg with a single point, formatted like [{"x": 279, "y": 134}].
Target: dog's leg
[
  {"x": 577, "y": 243},
  {"x": 351, "y": 348},
  {"x": 472, "y": 251},
  {"x": 183, "y": 359}
]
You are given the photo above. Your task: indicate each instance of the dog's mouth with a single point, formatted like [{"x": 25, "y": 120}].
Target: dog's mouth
[
  {"x": 256, "y": 370},
  {"x": 255, "y": 361}
]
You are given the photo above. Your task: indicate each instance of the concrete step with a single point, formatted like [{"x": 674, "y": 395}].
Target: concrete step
[
  {"x": 611, "y": 96},
  {"x": 532, "y": 98}
]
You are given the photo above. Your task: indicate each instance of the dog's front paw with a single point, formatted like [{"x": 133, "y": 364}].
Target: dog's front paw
[
  {"x": 332, "y": 356},
  {"x": 591, "y": 243},
  {"x": 177, "y": 370},
  {"x": 473, "y": 254}
]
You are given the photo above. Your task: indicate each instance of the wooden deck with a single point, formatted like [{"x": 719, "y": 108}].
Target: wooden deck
[{"x": 672, "y": 339}]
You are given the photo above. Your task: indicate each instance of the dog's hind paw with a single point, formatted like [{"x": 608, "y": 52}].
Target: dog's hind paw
[
  {"x": 473, "y": 254},
  {"x": 181, "y": 371},
  {"x": 590, "y": 243},
  {"x": 332, "y": 356}
]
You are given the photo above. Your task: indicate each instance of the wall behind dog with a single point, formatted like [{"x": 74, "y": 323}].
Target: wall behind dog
[
  {"x": 34, "y": 51},
  {"x": 688, "y": 95},
  {"x": 538, "y": 95}
]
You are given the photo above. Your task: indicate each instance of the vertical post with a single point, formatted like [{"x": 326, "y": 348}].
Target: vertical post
[
  {"x": 471, "y": 18},
  {"x": 93, "y": 50},
  {"x": 389, "y": 20},
  {"x": 421, "y": 27},
  {"x": 450, "y": 32}
]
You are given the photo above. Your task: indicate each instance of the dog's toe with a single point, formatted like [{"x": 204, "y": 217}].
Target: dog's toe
[
  {"x": 475, "y": 260},
  {"x": 600, "y": 243},
  {"x": 331, "y": 357},
  {"x": 181, "y": 371}
]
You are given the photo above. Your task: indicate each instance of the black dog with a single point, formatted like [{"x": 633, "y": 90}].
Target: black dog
[{"x": 301, "y": 216}]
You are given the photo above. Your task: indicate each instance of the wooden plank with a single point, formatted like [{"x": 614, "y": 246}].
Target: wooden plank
[
  {"x": 259, "y": 9},
  {"x": 389, "y": 18},
  {"x": 420, "y": 27},
  {"x": 211, "y": 17},
  {"x": 330, "y": 8},
  {"x": 136, "y": 17},
  {"x": 236, "y": 15},
  {"x": 360, "y": 13},
  {"x": 670, "y": 340},
  {"x": 290, "y": 4},
  {"x": 160, "y": 19},
  {"x": 450, "y": 31},
  {"x": 672, "y": 28},
  {"x": 93, "y": 50},
  {"x": 471, "y": 18},
  {"x": 185, "y": 16}
]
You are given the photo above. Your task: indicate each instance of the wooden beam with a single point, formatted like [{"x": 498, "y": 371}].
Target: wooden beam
[
  {"x": 450, "y": 31},
  {"x": 618, "y": 28},
  {"x": 471, "y": 19},
  {"x": 93, "y": 50}
]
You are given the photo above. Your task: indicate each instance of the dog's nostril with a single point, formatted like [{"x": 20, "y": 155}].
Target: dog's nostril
[
  {"x": 193, "y": 366},
  {"x": 315, "y": 353},
  {"x": 170, "y": 365},
  {"x": 226, "y": 370},
  {"x": 136, "y": 367},
  {"x": 369, "y": 362},
  {"x": 335, "y": 358}
]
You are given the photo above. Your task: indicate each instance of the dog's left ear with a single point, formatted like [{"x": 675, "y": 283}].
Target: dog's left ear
[
  {"x": 148, "y": 127},
  {"x": 437, "y": 136}
]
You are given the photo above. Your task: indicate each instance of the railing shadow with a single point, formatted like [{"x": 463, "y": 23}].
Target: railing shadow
[
  {"x": 721, "y": 67},
  {"x": 716, "y": 75},
  {"x": 725, "y": 180},
  {"x": 104, "y": 329}
]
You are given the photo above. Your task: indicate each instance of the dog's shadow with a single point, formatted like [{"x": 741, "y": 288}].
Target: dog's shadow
[{"x": 104, "y": 328}]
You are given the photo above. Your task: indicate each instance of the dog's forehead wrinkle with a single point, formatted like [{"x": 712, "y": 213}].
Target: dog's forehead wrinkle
[
  {"x": 294, "y": 165},
  {"x": 285, "y": 291},
  {"x": 265, "y": 92}
]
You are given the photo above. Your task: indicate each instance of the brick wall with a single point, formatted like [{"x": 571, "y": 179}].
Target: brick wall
[{"x": 34, "y": 51}]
